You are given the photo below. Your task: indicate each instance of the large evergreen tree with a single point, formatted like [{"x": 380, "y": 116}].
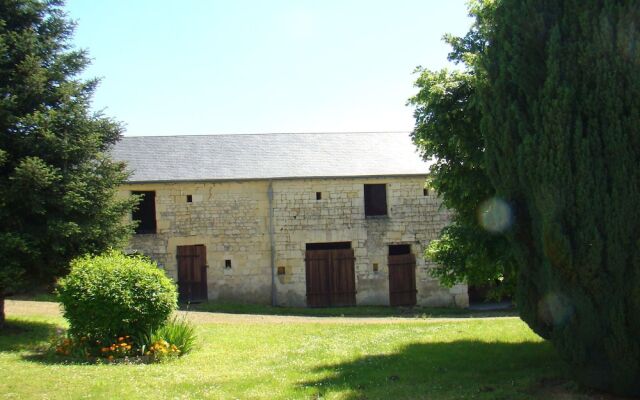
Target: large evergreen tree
[
  {"x": 561, "y": 120},
  {"x": 57, "y": 183}
]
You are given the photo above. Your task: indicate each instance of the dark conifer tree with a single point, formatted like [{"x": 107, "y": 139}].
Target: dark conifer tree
[
  {"x": 561, "y": 120},
  {"x": 57, "y": 183}
]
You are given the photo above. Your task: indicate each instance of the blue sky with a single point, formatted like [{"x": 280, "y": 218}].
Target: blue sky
[{"x": 254, "y": 66}]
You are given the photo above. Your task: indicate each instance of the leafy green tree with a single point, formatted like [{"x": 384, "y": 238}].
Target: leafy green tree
[
  {"x": 57, "y": 183},
  {"x": 561, "y": 121},
  {"x": 447, "y": 130}
]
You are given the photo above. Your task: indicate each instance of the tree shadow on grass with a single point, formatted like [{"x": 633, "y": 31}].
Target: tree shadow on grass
[
  {"x": 31, "y": 339},
  {"x": 462, "y": 369},
  {"x": 21, "y": 335}
]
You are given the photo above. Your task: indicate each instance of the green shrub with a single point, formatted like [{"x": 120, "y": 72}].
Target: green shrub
[{"x": 114, "y": 295}]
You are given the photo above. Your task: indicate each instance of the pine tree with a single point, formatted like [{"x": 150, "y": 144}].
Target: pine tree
[
  {"x": 57, "y": 183},
  {"x": 561, "y": 120}
]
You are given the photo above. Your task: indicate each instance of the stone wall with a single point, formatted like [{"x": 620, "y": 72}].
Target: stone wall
[
  {"x": 413, "y": 219},
  {"x": 232, "y": 220}
]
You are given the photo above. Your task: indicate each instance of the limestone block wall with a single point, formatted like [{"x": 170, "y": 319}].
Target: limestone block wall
[
  {"x": 413, "y": 218},
  {"x": 232, "y": 220}
]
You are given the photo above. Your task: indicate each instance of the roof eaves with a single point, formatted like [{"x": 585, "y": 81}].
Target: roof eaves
[{"x": 282, "y": 178}]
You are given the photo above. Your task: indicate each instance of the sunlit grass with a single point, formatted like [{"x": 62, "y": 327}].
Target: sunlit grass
[
  {"x": 359, "y": 311},
  {"x": 485, "y": 359}
]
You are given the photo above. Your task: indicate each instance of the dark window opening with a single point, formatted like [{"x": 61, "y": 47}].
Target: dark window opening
[
  {"x": 375, "y": 267},
  {"x": 318, "y": 195},
  {"x": 189, "y": 198},
  {"x": 145, "y": 213},
  {"x": 375, "y": 199},
  {"x": 329, "y": 246},
  {"x": 227, "y": 264},
  {"x": 425, "y": 192},
  {"x": 399, "y": 249},
  {"x": 281, "y": 270}
]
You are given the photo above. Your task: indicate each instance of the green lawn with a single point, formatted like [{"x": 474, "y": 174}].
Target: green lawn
[
  {"x": 496, "y": 358},
  {"x": 359, "y": 311}
]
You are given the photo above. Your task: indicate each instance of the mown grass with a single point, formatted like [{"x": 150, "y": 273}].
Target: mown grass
[
  {"x": 497, "y": 358},
  {"x": 359, "y": 311},
  {"x": 36, "y": 296}
]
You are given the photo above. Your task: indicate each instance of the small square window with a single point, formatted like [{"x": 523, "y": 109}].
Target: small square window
[
  {"x": 375, "y": 267},
  {"x": 227, "y": 264},
  {"x": 189, "y": 198},
  {"x": 281, "y": 270},
  {"x": 318, "y": 195},
  {"x": 425, "y": 192}
]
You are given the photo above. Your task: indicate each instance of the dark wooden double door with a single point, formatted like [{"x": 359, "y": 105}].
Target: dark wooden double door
[
  {"x": 331, "y": 278},
  {"x": 402, "y": 280},
  {"x": 192, "y": 273}
]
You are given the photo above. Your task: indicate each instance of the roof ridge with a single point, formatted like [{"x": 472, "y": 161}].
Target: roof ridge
[{"x": 265, "y": 134}]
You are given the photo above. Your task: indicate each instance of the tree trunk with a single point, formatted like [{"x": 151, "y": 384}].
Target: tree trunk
[{"x": 1, "y": 311}]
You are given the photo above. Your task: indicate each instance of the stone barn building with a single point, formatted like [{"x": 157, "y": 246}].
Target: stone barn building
[{"x": 312, "y": 220}]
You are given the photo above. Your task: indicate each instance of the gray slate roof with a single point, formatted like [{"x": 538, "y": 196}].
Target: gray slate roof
[{"x": 268, "y": 156}]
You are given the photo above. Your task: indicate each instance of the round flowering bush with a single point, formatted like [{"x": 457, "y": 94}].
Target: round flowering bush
[{"x": 112, "y": 298}]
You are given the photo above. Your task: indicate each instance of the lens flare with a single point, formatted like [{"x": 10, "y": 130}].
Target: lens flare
[
  {"x": 555, "y": 309},
  {"x": 495, "y": 215}
]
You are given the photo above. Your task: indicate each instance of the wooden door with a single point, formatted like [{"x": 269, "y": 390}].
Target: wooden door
[
  {"x": 402, "y": 280},
  {"x": 343, "y": 278},
  {"x": 192, "y": 273},
  {"x": 317, "y": 264},
  {"x": 330, "y": 278}
]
